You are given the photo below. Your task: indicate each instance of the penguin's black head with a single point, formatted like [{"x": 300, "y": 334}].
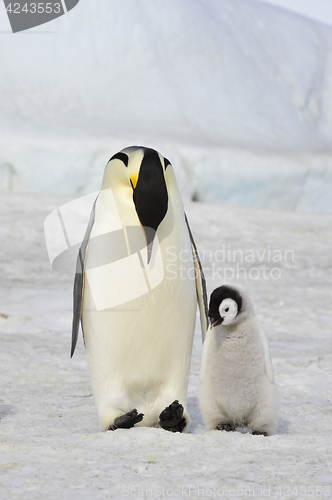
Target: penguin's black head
[
  {"x": 150, "y": 193},
  {"x": 147, "y": 178},
  {"x": 225, "y": 304}
]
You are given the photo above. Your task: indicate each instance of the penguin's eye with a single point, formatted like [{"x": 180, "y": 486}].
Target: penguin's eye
[{"x": 227, "y": 309}]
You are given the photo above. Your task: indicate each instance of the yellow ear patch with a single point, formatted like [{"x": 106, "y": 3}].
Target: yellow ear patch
[{"x": 133, "y": 180}]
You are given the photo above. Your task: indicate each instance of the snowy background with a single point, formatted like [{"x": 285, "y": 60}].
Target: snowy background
[{"x": 237, "y": 94}]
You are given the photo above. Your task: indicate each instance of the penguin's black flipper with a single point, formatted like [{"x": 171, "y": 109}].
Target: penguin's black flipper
[
  {"x": 200, "y": 285},
  {"x": 127, "y": 420},
  {"x": 171, "y": 419},
  {"x": 79, "y": 282}
]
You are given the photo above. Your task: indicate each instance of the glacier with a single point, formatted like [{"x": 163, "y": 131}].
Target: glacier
[{"x": 237, "y": 94}]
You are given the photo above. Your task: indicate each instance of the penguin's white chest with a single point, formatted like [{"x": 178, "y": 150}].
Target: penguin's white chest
[
  {"x": 139, "y": 318},
  {"x": 234, "y": 369}
]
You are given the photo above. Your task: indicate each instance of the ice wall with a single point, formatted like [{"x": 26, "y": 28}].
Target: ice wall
[{"x": 237, "y": 94}]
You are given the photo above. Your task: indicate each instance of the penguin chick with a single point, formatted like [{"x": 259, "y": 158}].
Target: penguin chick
[{"x": 237, "y": 386}]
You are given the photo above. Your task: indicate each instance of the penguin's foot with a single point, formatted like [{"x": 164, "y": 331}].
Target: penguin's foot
[
  {"x": 259, "y": 433},
  {"x": 171, "y": 419},
  {"x": 127, "y": 420},
  {"x": 225, "y": 427}
]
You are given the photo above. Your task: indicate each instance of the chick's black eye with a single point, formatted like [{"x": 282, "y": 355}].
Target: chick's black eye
[{"x": 227, "y": 309}]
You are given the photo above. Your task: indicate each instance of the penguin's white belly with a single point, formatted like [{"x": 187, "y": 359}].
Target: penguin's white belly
[
  {"x": 235, "y": 374},
  {"x": 139, "y": 352}
]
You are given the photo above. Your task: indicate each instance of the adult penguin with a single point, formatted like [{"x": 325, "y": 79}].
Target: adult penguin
[{"x": 137, "y": 278}]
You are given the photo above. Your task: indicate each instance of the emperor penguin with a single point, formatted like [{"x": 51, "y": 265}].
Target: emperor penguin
[
  {"x": 237, "y": 387},
  {"x": 137, "y": 284}
]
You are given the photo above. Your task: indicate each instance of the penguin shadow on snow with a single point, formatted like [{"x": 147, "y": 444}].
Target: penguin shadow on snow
[
  {"x": 6, "y": 410},
  {"x": 283, "y": 427},
  {"x": 194, "y": 411}
]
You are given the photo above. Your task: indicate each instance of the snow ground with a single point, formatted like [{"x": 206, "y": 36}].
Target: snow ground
[{"x": 52, "y": 446}]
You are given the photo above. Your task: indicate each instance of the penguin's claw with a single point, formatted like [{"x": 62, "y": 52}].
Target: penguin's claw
[
  {"x": 171, "y": 419},
  {"x": 127, "y": 420},
  {"x": 225, "y": 427},
  {"x": 259, "y": 433}
]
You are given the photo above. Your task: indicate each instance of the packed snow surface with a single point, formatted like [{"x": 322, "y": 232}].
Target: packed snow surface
[
  {"x": 51, "y": 441},
  {"x": 237, "y": 93}
]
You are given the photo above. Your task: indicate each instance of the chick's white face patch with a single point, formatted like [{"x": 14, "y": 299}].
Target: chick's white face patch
[{"x": 228, "y": 310}]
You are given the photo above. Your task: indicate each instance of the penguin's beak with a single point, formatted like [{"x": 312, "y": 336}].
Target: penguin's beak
[
  {"x": 215, "y": 322},
  {"x": 151, "y": 200}
]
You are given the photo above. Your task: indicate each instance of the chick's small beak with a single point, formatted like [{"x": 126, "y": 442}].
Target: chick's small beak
[{"x": 215, "y": 322}]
